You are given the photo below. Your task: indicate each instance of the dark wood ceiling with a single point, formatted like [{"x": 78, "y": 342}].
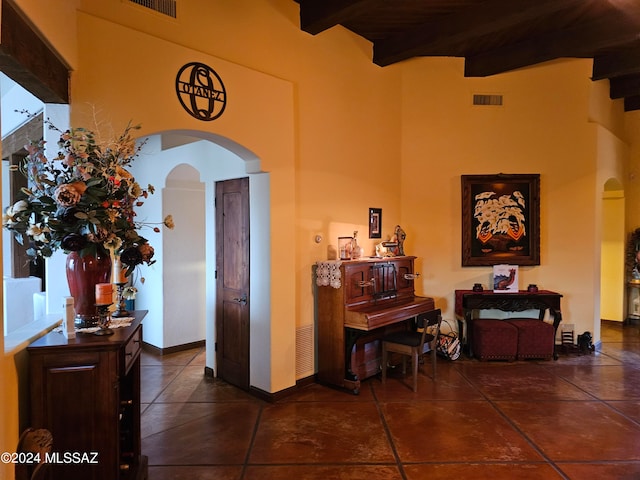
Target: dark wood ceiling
[{"x": 496, "y": 36}]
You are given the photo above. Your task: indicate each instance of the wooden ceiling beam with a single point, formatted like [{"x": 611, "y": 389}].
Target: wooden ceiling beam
[
  {"x": 607, "y": 31},
  {"x": 617, "y": 64},
  {"x": 626, "y": 86},
  {"x": 28, "y": 60},
  {"x": 319, "y": 15},
  {"x": 632, "y": 103},
  {"x": 447, "y": 34}
]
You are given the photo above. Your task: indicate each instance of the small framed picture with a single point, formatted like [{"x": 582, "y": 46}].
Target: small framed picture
[
  {"x": 375, "y": 223},
  {"x": 505, "y": 279}
]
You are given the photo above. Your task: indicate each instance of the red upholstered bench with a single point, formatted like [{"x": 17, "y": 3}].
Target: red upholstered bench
[
  {"x": 494, "y": 339},
  {"x": 536, "y": 338}
]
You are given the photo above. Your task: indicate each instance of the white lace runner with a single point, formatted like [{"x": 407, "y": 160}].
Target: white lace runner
[
  {"x": 114, "y": 323},
  {"x": 328, "y": 273}
]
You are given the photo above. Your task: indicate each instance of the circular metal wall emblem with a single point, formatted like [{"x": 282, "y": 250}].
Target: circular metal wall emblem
[{"x": 201, "y": 91}]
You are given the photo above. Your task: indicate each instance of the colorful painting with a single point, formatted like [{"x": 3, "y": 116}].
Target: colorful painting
[{"x": 500, "y": 219}]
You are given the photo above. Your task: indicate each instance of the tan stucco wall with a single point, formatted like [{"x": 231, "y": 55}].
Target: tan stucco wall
[
  {"x": 544, "y": 127},
  {"x": 339, "y": 135}
]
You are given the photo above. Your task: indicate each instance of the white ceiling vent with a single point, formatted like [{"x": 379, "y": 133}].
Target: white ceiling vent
[
  {"x": 487, "y": 100},
  {"x": 166, "y": 7}
]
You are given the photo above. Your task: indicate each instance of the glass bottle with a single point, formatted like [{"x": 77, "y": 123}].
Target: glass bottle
[{"x": 355, "y": 249}]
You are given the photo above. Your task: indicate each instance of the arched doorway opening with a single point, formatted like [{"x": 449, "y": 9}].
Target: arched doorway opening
[
  {"x": 168, "y": 161},
  {"x": 612, "y": 266},
  {"x": 184, "y": 167}
]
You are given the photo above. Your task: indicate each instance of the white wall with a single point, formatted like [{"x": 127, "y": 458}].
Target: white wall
[
  {"x": 20, "y": 299},
  {"x": 13, "y": 97},
  {"x": 262, "y": 340},
  {"x": 55, "y": 270},
  {"x": 184, "y": 258}
]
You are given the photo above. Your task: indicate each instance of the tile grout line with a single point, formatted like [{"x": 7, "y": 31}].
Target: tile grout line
[
  {"x": 387, "y": 431},
  {"x": 155, "y": 398},
  {"x": 245, "y": 468},
  {"x": 606, "y": 403},
  {"x": 245, "y": 463},
  {"x": 531, "y": 443}
]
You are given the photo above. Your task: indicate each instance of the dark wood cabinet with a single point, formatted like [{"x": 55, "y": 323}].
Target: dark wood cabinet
[{"x": 86, "y": 392}]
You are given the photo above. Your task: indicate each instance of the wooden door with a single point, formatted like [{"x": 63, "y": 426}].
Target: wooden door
[{"x": 232, "y": 281}]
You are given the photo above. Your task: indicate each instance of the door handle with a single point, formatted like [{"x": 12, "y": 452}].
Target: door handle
[{"x": 241, "y": 300}]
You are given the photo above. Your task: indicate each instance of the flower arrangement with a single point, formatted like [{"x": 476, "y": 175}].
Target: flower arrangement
[{"x": 83, "y": 199}]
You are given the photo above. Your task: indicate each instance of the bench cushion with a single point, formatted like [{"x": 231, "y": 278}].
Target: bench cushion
[
  {"x": 494, "y": 339},
  {"x": 536, "y": 338}
]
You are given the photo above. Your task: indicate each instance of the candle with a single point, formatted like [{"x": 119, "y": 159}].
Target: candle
[
  {"x": 119, "y": 273},
  {"x": 104, "y": 294},
  {"x": 68, "y": 324}
]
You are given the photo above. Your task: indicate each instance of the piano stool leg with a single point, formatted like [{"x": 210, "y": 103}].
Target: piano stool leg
[
  {"x": 384, "y": 365},
  {"x": 433, "y": 362},
  {"x": 414, "y": 360}
]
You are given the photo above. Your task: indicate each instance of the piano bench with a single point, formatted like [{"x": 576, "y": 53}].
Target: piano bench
[
  {"x": 494, "y": 340},
  {"x": 536, "y": 338}
]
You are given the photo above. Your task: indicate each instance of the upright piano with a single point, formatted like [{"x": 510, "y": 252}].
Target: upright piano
[{"x": 358, "y": 302}]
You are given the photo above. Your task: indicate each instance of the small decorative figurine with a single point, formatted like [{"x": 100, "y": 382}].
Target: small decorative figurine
[
  {"x": 356, "y": 250},
  {"x": 400, "y": 237}
]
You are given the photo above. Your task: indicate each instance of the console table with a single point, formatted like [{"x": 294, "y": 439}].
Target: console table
[{"x": 467, "y": 301}]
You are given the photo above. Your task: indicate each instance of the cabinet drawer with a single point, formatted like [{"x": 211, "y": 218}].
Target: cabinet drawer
[{"x": 132, "y": 349}]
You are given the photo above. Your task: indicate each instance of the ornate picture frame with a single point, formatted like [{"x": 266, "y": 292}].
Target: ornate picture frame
[
  {"x": 500, "y": 219},
  {"x": 375, "y": 223}
]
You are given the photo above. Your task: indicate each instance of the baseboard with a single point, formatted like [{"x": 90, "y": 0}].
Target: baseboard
[
  {"x": 303, "y": 382},
  {"x": 147, "y": 347},
  {"x": 274, "y": 397},
  {"x": 210, "y": 373}
]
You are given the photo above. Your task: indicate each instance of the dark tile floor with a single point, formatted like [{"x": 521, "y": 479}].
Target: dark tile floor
[{"x": 575, "y": 418}]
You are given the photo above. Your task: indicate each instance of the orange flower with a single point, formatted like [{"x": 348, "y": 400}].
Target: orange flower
[{"x": 68, "y": 194}]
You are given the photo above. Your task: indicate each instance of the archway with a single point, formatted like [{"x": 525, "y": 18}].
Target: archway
[
  {"x": 612, "y": 274},
  {"x": 182, "y": 159}
]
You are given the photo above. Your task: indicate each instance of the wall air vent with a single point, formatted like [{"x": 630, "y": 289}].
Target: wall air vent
[
  {"x": 166, "y": 7},
  {"x": 487, "y": 100},
  {"x": 304, "y": 352}
]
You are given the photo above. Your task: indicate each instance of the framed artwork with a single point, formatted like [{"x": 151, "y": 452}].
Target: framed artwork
[
  {"x": 375, "y": 223},
  {"x": 500, "y": 219}
]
